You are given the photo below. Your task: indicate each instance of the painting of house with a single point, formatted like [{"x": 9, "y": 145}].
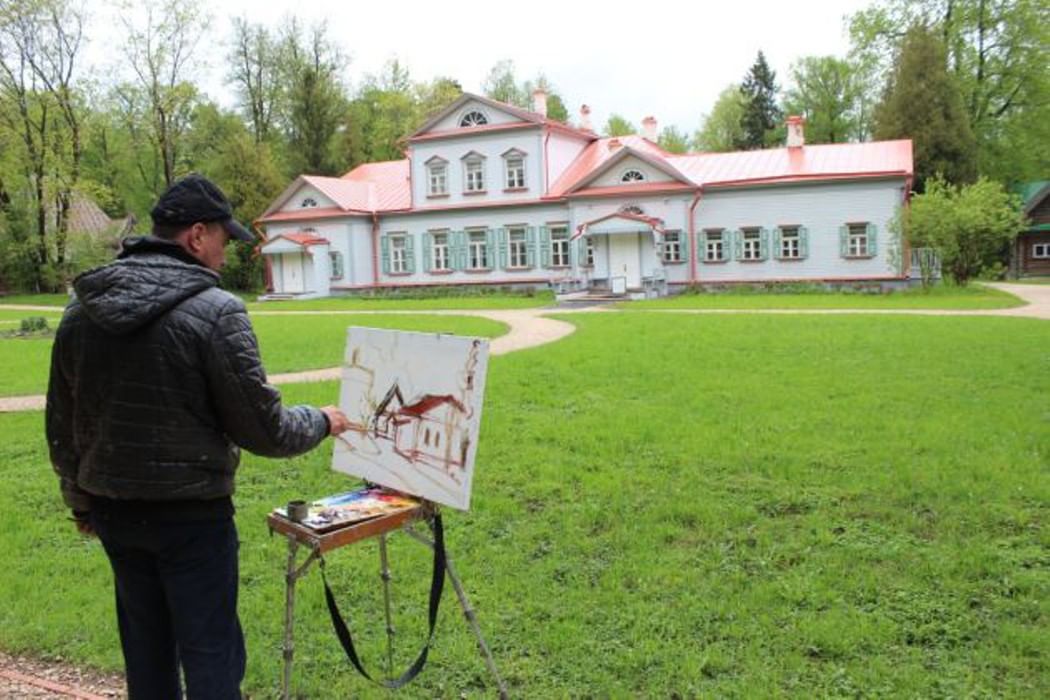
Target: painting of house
[
  {"x": 1031, "y": 251},
  {"x": 424, "y": 444},
  {"x": 490, "y": 194}
]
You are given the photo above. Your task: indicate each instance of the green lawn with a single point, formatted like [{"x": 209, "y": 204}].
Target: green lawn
[
  {"x": 288, "y": 343},
  {"x": 940, "y": 297},
  {"x": 36, "y": 299},
  {"x": 408, "y": 303},
  {"x": 748, "y": 506}
]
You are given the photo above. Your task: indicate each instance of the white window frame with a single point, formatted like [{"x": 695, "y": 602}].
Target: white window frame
[
  {"x": 478, "y": 250},
  {"x": 790, "y": 243},
  {"x": 515, "y": 171},
  {"x": 559, "y": 245},
  {"x": 440, "y": 250},
  {"x": 308, "y": 203},
  {"x": 517, "y": 247},
  {"x": 751, "y": 244},
  {"x": 1038, "y": 254},
  {"x": 398, "y": 253},
  {"x": 632, "y": 175},
  {"x": 714, "y": 249},
  {"x": 473, "y": 117},
  {"x": 857, "y": 244},
  {"x": 335, "y": 264},
  {"x": 632, "y": 209},
  {"x": 437, "y": 178},
  {"x": 474, "y": 173},
  {"x": 672, "y": 248}
]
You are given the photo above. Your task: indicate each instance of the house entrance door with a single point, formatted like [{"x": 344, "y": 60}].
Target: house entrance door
[
  {"x": 625, "y": 260},
  {"x": 292, "y": 273}
]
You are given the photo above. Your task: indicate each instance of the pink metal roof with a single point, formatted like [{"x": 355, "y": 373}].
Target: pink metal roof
[{"x": 596, "y": 155}]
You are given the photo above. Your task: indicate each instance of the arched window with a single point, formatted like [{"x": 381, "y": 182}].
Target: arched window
[
  {"x": 473, "y": 118},
  {"x": 631, "y": 209},
  {"x": 308, "y": 202},
  {"x": 633, "y": 175}
]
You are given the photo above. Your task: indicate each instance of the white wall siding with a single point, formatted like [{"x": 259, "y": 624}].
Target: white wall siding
[
  {"x": 612, "y": 177},
  {"x": 494, "y": 116},
  {"x": 561, "y": 152},
  {"x": 822, "y": 209},
  {"x": 294, "y": 202},
  {"x": 492, "y": 146}
]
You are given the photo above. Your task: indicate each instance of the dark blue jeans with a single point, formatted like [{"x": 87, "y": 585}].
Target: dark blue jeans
[{"x": 176, "y": 586}]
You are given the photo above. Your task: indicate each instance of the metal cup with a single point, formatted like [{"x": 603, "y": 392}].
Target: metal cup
[{"x": 298, "y": 511}]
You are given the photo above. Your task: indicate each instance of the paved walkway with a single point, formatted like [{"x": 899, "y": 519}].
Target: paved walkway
[{"x": 530, "y": 328}]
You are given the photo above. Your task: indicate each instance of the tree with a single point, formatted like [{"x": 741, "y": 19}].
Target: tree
[
  {"x": 672, "y": 140},
  {"x": 316, "y": 100},
  {"x": 761, "y": 115},
  {"x": 501, "y": 85},
  {"x": 826, "y": 91},
  {"x": 256, "y": 73},
  {"x": 160, "y": 54},
  {"x": 722, "y": 129},
  {"x": 618, "y": 126},
  {"x": 969, "y": 225},
  {"x": 923, "y": 103}
]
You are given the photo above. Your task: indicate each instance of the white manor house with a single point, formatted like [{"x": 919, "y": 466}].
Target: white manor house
[{"x": 491, "y": 194}]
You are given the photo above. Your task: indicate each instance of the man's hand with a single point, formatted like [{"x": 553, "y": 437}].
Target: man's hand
[
  {"x": 337, "y": 420},
  {"x": 83, "y": 525}
]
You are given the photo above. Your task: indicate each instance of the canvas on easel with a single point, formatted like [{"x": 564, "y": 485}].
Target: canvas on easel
[{"x": 415, "y": 401}]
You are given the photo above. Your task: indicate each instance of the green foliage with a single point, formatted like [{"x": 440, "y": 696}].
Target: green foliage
[
  {"x": 618, "y": 126},
  {"x": 33, "y": 324},
  {"x": 826, "y": 91},
  {"x": 761, "y": 116},
  {"x": 316, "y": 101},
  {"x": 923, "y": 103},
  {"x": 969, "y": 225},
  {"x": 672, "y": 140},
  {"x": 502, "y": 85},
  {"x": 722, "y": 129}
]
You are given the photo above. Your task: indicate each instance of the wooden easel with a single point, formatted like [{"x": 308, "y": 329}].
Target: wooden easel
[{"x": 320, "y": 543}]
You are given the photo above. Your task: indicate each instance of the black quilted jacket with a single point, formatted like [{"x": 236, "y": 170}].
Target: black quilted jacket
[{"x": 156, "y": 381}]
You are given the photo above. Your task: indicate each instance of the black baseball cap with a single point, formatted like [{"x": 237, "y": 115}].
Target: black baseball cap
[{"x": 196, "y": 198}]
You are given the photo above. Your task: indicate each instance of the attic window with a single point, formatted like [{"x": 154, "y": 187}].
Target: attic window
[
  {"x": 473, "y": 118},
  {"x": 307, "y": 203},
  {"x": 631, "y": 209},
  {"x": 633, "y": 176}
]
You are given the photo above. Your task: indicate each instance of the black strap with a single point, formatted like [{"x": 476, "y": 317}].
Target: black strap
[{"x": 437, "y": 585}]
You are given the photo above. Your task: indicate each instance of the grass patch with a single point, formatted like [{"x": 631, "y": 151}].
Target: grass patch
[
  {"x": 793, "y": 297},
  {"x": 1029, "y": 280},
  {"x": 759, "y": 506},
  {"x": 59, "y": 300},
  {"x": 411, "y": 303}
]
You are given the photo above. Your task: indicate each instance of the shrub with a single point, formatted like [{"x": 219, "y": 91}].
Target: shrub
[{"x": 34, "y": 324}]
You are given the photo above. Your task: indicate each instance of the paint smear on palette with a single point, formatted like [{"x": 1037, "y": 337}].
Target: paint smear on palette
[{"x": 415, "y": 400}]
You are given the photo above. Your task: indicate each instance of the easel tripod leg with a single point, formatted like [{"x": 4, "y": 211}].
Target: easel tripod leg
[
  {"x": 385, "y": 575},
  {"x": 289, "y": 619}
]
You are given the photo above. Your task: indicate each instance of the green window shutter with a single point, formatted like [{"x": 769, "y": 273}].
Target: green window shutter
[
  {"x": 873, "y": 239},
  {"x": 844, "y": 241},
  {"x": 778, "y": 243},
  {"x": 763, "y": 244},
  {"x": 701, "y": 245},
  {"x": 803, "y": 242},
  {"x": 685, "y": 244},
  {"x": 737, "y": 242},
  {"x": 545, "y": 246},
  {"x": 427, "y": 249},
  {"x": 501, "y": 238},
  {"x": 581, "y": 251},
  {"x": 490, "y": 248},
  {"x": 530, "y": 246},
  {"x": 410, "y": 253},
  {"x": 384, "y": 246},
  {"x": 461, "y": 256}
]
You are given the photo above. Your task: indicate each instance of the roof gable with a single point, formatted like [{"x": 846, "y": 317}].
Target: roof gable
[
  {"x": 496, "y": 113},
  {"x": 624, "y": 158}
]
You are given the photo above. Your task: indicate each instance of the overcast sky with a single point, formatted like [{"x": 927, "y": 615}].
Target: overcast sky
[{"x": 667, "y": 59}]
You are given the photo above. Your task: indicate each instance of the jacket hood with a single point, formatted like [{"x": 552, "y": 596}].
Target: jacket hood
[{"x": 151, "y": 277}]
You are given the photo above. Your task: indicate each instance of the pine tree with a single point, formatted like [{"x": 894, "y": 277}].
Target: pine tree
[
  {"x": 761, "y": 114},
  {"x": 923, "y": 103}
]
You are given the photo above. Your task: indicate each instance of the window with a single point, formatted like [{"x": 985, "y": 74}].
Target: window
[
  {"x": 307, "y": 203},
  {"x": 439, "y": 251},
  {"x": 672, "y": 246},
  {"x": 479, "y": 250},
  {"x": 633, "y": 175},
  {"x": 519, "y": 255},
  {"x": 515, "y": 172},
  {"x": 714, "y": 245},
  {"x": 336, "y": 260},
  {"x": 437, "y": 178},
  {"x": 752, "y": 243},
  {"x": 1041, "y": 250},
  {"x": 474, "y": 173},
  {"x": 398, "y": 253},
  {"x": 790, "y": 243},
  {"x": 473, "y": 118},
  {"x": 590, "y": 252},
  {"x": 858, "y": 241},
  {"x": 631, "y": 209},
  {"x": 559, "y": 246}
]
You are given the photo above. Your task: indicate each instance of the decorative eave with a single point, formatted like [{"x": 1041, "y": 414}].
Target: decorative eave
[
  {"x": 527, "y": 119},
  {"x": 622, "y": 154}
]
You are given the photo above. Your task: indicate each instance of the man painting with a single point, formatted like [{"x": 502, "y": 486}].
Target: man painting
[{"x": 155, "y": 384}]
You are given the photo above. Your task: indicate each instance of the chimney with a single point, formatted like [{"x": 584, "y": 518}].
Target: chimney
[
  {"x": 539, "y": 101},
  {"x": 649, "y": 128},
  {"x": 795, "y": 135},
  {"x": 613, "y": 144},
  {"x": 585, "y": 118}
]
